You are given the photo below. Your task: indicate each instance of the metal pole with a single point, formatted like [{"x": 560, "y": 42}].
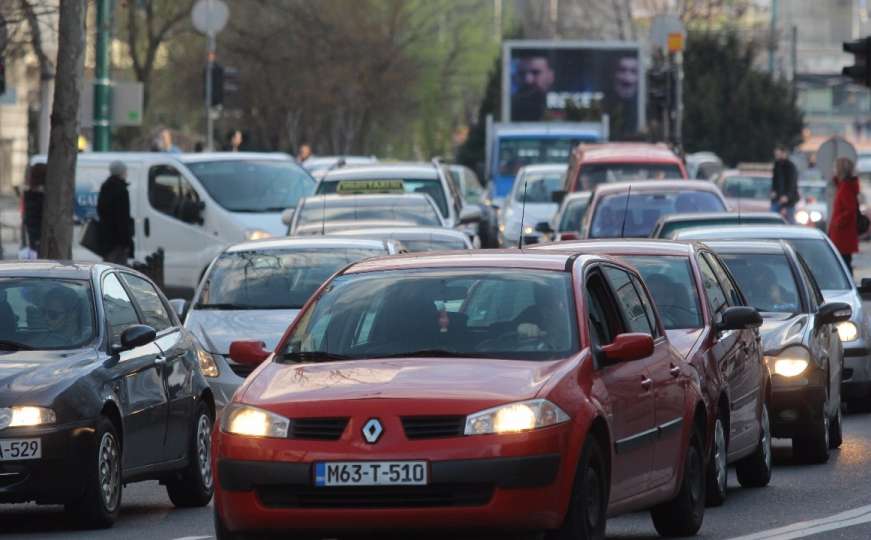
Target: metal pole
[
  {"x": 209, "y": 65},
  {"x": 678, "y": 97},
  {"x": 772, "y": 44},
  {"x": 102, "y": 81},
  {"x": 794, "y": 55}
]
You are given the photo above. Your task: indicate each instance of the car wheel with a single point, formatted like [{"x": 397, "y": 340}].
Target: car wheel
[
  {"x": 814, "y": 447},
  {"x": 587, "y": 513},
  {"x": 683, "y": 515},
  {"x": 755, "y": 469},
  {"x": 194, "y": 485},
  {"x": 98, "y": 508},
  {"x": 836, "y": 434},
  {"x": 718, "y": 476}
]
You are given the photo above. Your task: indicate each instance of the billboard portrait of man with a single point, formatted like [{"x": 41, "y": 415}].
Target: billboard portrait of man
[
  {"x": 533, "y": 77},
  {"x": 622, "y": 98}
]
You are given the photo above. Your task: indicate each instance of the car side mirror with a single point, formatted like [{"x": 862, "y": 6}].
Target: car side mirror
[
  {"x": 558, "y": 196},
  {"x": 739, "y": 318},
  {"x": 287, "y": 216},
  {"x": 834, "y": 312},
  {"x": 470, "y": 214},
  {"x": 865, "y": 287},
  {"x": 137, "y": 336},
  {"x": 180, "y": 306},
  {"x": 543, "y": 227},
  {"x": 628, "y": 347},
  {"x": 248, "y": 352}
]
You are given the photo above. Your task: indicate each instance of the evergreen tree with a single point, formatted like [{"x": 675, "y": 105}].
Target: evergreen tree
[{"x": 472, "y": 152}]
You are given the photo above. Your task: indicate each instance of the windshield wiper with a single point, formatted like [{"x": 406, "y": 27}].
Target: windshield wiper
[
  {"x": 6, "y": 345},
  {"x": 315, "y": 356}
]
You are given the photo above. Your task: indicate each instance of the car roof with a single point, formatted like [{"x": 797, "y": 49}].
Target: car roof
[
  {"x": 376, "y": 199},
  {"x": 731, "y": 232},
  {"x": 491, "y": 258},
  {"x": 318, "y": 242},
  {"x": 544, "y": 168},
  {"x": 648, "y": 186},
  {"x": 403, "y": 232},
  {"x": 747, "y": 246},
  {"x": 637, "y": 152},
  {"x": 384, "y": 171},
  {"x": 193, "y": 157},
  {"x": 618, "y": 246},
  {"x": 54, "y": 269},
  {"x": 703, "y": 216},
  {"x": 578, "y": 195}
]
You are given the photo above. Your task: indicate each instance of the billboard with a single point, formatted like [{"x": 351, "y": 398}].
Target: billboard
[{"x": 544, "y": 81}]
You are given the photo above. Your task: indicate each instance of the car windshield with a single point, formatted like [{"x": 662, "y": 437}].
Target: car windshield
[
  {"x": 433, "y": 244},
  {"x": 428, "y": 186},
  {"x": 44, "y": 313},
  {"x": 766, "y": 280},
  {"x": 539, "y": 186},
  {"x": 418, "y": 214},
  {"x": 747, "y": 187},
  {"x": 245, "y": 185},
  {"x": 594, "y": 174},
  {"x": 673, "y": 289},
  {"x": 273, "y": 279},
  {"x": 470, "y": 313},
  {"x": 573, "y": 215},
  {"x": 615, "y": 218},
  {"x": 517, "y": 153},
  {"x": 824, "y": 263}
]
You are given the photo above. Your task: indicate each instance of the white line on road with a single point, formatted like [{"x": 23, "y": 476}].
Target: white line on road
[{"x": 850, "y": 518}]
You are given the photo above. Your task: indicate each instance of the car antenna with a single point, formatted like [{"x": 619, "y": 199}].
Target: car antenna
[
  {"x": 522, "y": 213},
  {"x": 625, "y": 212}
]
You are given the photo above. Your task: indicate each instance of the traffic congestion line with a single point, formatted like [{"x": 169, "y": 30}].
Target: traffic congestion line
[{"x": 803, "y": 529}]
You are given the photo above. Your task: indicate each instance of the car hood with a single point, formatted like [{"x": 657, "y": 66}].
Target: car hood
[
  {"x": 39, "y": 376},
  {"x": 481, "y": 381},
  {"x": 684, "y": 339},
  {"x": 780, "y": 330},
  {"x": 264, "y": 221},
  {"x": 216, "y": 329}
]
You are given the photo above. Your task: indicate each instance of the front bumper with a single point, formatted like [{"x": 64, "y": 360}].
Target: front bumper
[
  {"x": 796, "y": 403},
  {"x": 59, "y": 476},
  {"x": 483, "y": 483},
  {"x": 856, "y": 382}
]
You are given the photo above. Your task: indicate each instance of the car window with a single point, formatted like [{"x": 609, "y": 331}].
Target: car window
[
  {"x": 767, "y": 281},
  {"x": 539, "y": 187},
  {"x": 807, "y": 277},
  {"x": 601, "y": 173},
  {"x": 648, "y": 306},
  {"x": 153, "y": 309},
  {"x": 733, "y": 297},
  {"x": 120, "y": 313},
  {"x": 747, "y": 187},
  {"x": 573, "y": 215},
  {"x": 250, "y": 185},
  {"x": 631, "y": 307},
  {"x": 615, "y": 217},
  {"x": 171, "y": 194},
  {"x": 604, "y": 324},
  {"x": 673, "y": 288},
  {"x": 46, "y": 313},
  {"x": 714, "y": 292},
  {"x": 428, "y": 186},
  {"x": 823, "y": 262}
]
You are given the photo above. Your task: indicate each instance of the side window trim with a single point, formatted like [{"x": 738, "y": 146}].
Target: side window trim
[
  {"x": 611, "y": 307},
  {"x": 714, "y": 263},
  {"x": 646, "y": 302},
  {"x": 625, "y": 323},
  {"x": 140, "y": 312},
  {"x": 714, "y": 310},
  {"x": 120, "y": 278}
]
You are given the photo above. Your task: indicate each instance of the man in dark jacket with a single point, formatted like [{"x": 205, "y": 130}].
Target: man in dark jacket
[
  {"x": 784, "y": 185},
  {"x": 113, "y": 211}
]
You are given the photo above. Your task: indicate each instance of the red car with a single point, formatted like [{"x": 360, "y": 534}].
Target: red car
[
  {"x": 501, "y": 390},
  {"x": 593, "y": 164},
  {"x": 710, "y": 322}
]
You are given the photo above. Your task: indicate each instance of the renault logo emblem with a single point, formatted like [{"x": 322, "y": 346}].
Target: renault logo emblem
[{"x": 372, "y": 430}]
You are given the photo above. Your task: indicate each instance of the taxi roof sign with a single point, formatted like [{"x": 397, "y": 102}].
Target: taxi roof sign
[{"x": 358, "y": 187}]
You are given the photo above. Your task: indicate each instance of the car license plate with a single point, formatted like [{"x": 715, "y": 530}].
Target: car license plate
[
  {"x": 17, "y": 449},
  {"x": 371, "y": 473}
]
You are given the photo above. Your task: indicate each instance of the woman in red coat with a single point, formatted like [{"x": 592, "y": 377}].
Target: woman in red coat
[{"x": 843, "y": 229}]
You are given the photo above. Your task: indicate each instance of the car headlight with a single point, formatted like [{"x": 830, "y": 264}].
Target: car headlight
[
  {"x": 257, "y": 234},
  {"x": 847, "y": 331},
  {"x": 791, "y": 362},
  {"x": 31, "y": 416},
  {"x": 515, "y": 417},
  {"x": 253, "y": 422},
  {"x": 528, "y": 230},
  {"x": 816, "y": 216},
  {"x": 802, "y": 217},
  {"x": 502, "y": 227},
  {"x": 207, "y": 364}
]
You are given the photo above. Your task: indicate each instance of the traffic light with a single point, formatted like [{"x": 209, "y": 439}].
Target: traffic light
[{"x": 860, "y": 71}]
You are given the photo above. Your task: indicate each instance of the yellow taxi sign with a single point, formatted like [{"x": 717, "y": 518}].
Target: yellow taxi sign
[{"x": 349, "y": 187}]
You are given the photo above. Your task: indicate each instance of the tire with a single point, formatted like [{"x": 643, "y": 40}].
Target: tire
[
  {"x": 99, "y": 507},
  {"x": 754, "y": 471},
  {"x": 194, "y": 485},
  {"x": 683, "y": 515},
  {"x": 814, "y": 447},
  {"x": 588, "y": 507},
  {"x": 836, "y": 433},
  {"x": 717, "y": 472}
]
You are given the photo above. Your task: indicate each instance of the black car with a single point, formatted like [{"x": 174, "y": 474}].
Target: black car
[
  {"x": 800, "y": 338},
  {"x": 100, "y": 386}
]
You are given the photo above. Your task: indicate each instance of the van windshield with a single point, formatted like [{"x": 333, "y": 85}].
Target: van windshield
[{"x": 243, "y": 185}]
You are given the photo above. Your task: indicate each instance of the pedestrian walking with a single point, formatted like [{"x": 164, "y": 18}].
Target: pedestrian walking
[
  {"x": 33, "y": 199},
  {"x": 784, "y": 184},
  {"x": 843, "y": 227},
  {"x": 235, "y": 141},
  {"x": 113, "y": 211}
]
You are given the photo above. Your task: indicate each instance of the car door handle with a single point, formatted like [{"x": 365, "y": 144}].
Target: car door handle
[
  {"x": 646, "y": 383},
  {"x": 675, "y": 370}
]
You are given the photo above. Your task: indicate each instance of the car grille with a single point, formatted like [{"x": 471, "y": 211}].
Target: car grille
[
  {"x": 322, "y": 429},
  {"x": 241, "y": 370},
  {"x": 433, "y": 427},
  {"x": 375, "y": 497}
]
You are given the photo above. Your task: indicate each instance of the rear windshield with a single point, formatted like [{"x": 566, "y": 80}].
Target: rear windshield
[
  {"x": 273, "y": 279},
  {"x": 673, "y": 289},
  {"x": 433, "y": 244},
  {"x": 428, "y": 186},
  {"x": 672, "y": 227},
  {"x": 573, "y": 215},
  {"x": 747, "y": 187},
  {"x": 594, "y": 174},
  {"x": 423, "y": 214},
  {"x": 766, "y": 280},
  {"x": 539, "y": 187},
  {"x": 44, "y": 313},
  {"x": 615, "y": 217},
  {"x": 474, "y": 313},
  {"x": 824, "y": 263},
  {"x": 254, "y": 186}
]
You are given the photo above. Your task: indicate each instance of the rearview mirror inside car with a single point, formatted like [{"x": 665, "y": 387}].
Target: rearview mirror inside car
[
  {"x": 834, "y": 312},
  {"x": 248, "y": 352},
  {"x": 628, "y": 347},
  {"x": 739, "y": 318}
]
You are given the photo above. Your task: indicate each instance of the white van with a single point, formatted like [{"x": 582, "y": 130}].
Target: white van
[{"x": 193, "y": 205}]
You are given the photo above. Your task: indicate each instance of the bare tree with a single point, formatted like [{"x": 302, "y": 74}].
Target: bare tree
[
  {"x": 46, "y": 72},
  {"x": 57, "y": 219}
]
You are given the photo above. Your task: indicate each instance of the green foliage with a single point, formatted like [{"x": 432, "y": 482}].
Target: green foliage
[
  {"x": 731, "y": 107},
  {"x": 472, "y": 153}
]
